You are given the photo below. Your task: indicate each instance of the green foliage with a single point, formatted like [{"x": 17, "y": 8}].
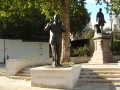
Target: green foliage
[
  {"x": 90, "y": 34},
  {"x": 26, "y": 17},
  {"x": 118, "y": 36},
  {"x": 22, "y": 19},
  {"x": 113, "y": 5},
  {"x": 50, "y": 7},
  {"x": 79, "y": 16},
  {"x": 115, "y": 47},
  {"x": 81, "y": 51}
]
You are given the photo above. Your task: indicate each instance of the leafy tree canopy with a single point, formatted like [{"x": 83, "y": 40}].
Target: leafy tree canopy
[
  {"x": 79, "y": 15},
  {"x": 113, "y": 5},
  {"x": 22, "y": 18},
  {"x": 26, "y": 13}
]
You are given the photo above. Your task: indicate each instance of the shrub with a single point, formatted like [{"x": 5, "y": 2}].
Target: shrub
[
  {"x": 115, "y": 47},
  {"x": 81, "y": 51},
  {"x": 90, "y": 34},
  {"x": 118, "y": 36}
]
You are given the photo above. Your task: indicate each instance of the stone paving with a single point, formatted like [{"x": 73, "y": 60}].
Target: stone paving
[{"x": 16, "y": 84}]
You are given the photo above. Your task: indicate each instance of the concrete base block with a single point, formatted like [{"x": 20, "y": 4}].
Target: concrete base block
[
  {"x": 55, "y": 77},
  {"x": 119, "y": 64},
  {"x": 102, "y": 89},
  {"x": 14, "y": 65},
  {"x": 102, "y": 53}
]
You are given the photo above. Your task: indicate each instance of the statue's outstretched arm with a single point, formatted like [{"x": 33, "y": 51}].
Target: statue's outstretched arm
[{"x": 47, "y": 27}]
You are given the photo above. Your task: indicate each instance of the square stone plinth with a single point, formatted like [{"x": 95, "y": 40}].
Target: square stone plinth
[{"x": 55, "y": 77}]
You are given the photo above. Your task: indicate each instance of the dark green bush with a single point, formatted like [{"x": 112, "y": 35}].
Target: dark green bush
[
  {"x": 81, "y": 51},
  {"x": 118, "y": 36},
  {"x": 115, "y": 47},
  {"x": 90, "y": 34}
]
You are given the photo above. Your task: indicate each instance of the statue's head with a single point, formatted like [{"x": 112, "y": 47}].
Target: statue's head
[
  {"x": 56, "y": 17},
  {"x": 100, "y": 9}
]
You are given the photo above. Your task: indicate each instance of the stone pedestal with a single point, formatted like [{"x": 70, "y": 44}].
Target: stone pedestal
[
  {"x": 55, "y": 77},
  {"x": 102, "y": 53}
]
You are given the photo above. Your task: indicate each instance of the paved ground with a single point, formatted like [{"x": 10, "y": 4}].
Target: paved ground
[{"x": 15, "y": 84}]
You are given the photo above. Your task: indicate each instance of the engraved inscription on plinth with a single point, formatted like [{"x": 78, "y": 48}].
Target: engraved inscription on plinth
[
  {"x": 102, "y": 53},
  {"x": 55, "y": 77},
  {"x": 50, "y": 77}
]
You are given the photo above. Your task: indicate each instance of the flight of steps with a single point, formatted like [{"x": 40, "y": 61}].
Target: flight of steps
[
  {"x": 2, "y": 72},
  {"x": 23, "y": 74},
  {"x": 92, "y": 77},
  {"x": 99, "y": 77}
]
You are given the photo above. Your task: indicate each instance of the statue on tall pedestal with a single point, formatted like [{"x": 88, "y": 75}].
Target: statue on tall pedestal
[{"x": 100, "y": 19}]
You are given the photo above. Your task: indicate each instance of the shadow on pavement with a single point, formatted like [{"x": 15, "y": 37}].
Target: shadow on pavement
[{"x": 97, "y": 79}]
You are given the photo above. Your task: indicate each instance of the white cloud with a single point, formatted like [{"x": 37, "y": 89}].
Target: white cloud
[
  {"x": 93, "y": 21},
  {"x": 93, "y": 1},
  {"x": 107, "y": 24},
  {"x": 90, "y": 1}
]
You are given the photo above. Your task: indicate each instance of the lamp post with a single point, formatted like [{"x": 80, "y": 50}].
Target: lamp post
[
  {"x": 4, "y": 49},
  {"x": 3, "y": 36},
  {"x": 111, "y": 20}
]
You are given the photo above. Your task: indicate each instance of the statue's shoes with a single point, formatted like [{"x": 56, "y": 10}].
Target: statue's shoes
[
  {"x": 59, "y": 65},
  {"x": 56, "y": 65},
  {"x": 53, "y": 64}
]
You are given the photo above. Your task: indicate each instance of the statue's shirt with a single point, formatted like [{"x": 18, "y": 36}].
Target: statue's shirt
[
  {"x": 100, "y": 18},
  {"x": 56, "y": 33}
]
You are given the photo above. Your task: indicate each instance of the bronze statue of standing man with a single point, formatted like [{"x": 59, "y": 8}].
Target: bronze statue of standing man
[
  {"x": 100, "y": 19},
  {"x": 56, "y": 28}
]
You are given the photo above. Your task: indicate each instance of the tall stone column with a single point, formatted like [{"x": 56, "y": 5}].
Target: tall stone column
[{"x": 102, "y": 53}]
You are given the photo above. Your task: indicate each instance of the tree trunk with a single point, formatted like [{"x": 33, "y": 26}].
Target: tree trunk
[{"x": 65, "y": 54}]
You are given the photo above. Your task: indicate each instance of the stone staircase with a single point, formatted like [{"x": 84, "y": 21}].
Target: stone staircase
[
  {"x": 92, "y": 77},
  {"x": 99, "y": 77},
  {"x": 23, "y": 74},
  {"x": 2, "y": 72}
]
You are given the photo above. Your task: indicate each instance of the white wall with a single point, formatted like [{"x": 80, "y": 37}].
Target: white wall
[
  {"x": 1, "y": 50},
  {"x": 116, "y": 21},
  {"x": 17, "y": 49}
]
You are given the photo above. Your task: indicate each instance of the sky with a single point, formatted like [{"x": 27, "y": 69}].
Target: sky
[{"x": 93, "y": 8}]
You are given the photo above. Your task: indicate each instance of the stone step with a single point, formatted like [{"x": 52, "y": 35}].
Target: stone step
[
  {"x": 115, "y": 84},
  {"x": 2, "y": 73},
  {"x": 96, "y": 86},
  {"x": 27, "y": 68},
  {"x": 100, "y": 69},
  {"x": 107, "y": 65},
  {"x": 99, "y": 80},
  {"x": 23, "y": 74},
  {"x": 100, "y": 72},
  {"x": 81, "y": 83},
  {"x": 20, "y": 77},
  {"x": 101, "y": 76},
  {"x": 24, "y": 71}
]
